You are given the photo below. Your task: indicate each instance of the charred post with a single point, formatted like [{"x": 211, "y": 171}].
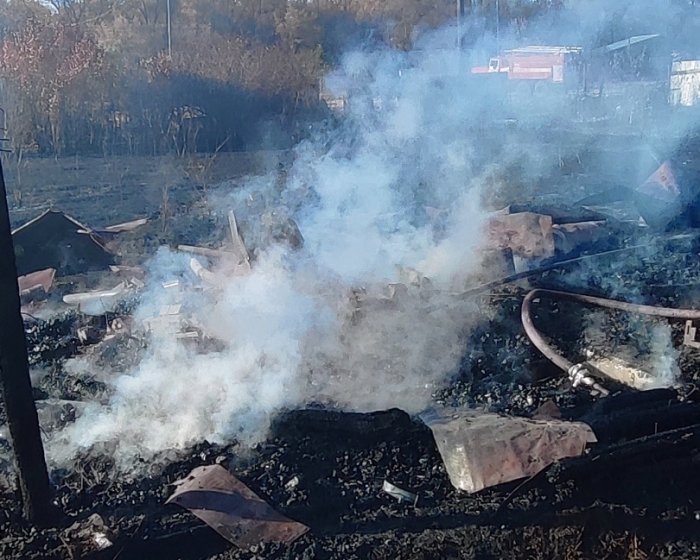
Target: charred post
[{"x": 22, "y": 417}]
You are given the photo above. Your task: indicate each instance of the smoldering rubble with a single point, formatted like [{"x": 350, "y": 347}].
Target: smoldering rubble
[
  {"x": 363, "y": 319},
  {"x": 325, "y": 379}
]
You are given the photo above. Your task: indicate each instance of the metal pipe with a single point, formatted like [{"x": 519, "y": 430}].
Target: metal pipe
[{"x": 536, "y": 337}]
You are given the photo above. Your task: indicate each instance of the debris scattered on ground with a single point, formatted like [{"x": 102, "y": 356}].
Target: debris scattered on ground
[
  {"x": 233, "y": 510},
  {"x": 400, "y": 494},
  {"x": 481, "y": 449},
  {"x": 342, "y": 475},
  {"x": 87, "y": 536},
  {"x": 56, "y": 240}
]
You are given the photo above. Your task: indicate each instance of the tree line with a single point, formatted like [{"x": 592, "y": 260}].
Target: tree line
[{"x": 157, "y": 76}]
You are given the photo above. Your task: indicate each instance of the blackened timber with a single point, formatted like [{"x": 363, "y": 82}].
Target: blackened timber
[
  {"x": 22, "y": 417},
  {"x": 664, "y": 446}
]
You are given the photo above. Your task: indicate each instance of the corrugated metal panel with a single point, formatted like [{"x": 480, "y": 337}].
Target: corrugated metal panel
[
  {"x": 616, "y": 46},
  {"x": 545, "y": 50}
]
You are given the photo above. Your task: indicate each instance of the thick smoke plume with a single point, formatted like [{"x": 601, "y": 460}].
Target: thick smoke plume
[
  {"x": 360, "y": 317},
  {"x": 390, "y": 204}
]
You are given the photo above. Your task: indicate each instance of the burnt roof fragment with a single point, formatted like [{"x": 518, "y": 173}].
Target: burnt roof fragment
[{"x": 56, "y": 240}]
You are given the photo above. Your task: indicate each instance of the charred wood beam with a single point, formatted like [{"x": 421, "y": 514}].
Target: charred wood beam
[
  {"x": 632, "y": 424},
  {"x": 195, "y": 543},
  {"x": 681, "y": 442},
  {"x": 634, "y": 414},
  {"x": 22, "y": 417},
  {"x": 206, "y": 252},
  {"x": 674, "y": 452}
]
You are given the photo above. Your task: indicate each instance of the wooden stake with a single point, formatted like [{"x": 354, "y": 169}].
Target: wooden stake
[{"x": 16, "y": 386}]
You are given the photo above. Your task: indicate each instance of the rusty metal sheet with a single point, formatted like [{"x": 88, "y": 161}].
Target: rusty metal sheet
[
  {"x": 481, "y": 449},
  {"x": 526, "y": 234},
  {"x": 659, "y": 200},
  {"x": 548, "y": 410},
  {"x": 568, "y": 237},
  {"x": 661, "y": 184},
  {"x": 232, "y": 509},
  {"x": 34, "y": 280}
]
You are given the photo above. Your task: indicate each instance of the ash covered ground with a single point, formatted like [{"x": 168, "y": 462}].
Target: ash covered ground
[
  {"x": 626, "y": 499},
  {"x": 632, "y": 496}
]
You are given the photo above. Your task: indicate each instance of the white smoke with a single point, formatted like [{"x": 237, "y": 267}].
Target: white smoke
[
  {"x": 320, "y": 324},
  {"x": 349, "y": 319},
  {"x": 663, "y": 357},
  {"x": 650, "y": 351}
]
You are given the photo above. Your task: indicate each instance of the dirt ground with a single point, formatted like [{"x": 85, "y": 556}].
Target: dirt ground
[
  {"x": 104, "y": 191},
  {"x": 633, "y": 496}
]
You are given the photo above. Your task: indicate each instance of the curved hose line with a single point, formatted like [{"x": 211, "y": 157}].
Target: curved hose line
[
  {"x": 653, "y": 310},
  {"x": 536, "y": 337},
  {"x": 560, "y": 361}
]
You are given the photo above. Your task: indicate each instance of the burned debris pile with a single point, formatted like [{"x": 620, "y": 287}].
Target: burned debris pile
[
  {"x": 563, "y": 420},
  {"x": 572, "y": 426},
  {"x": 455, "y": 316}
]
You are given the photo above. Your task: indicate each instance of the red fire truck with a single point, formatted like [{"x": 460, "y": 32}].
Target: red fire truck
[{"x": 551, "y": 64}]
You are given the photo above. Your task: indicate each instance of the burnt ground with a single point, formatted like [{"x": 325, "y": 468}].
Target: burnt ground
[
  {"x": 99, "y": 191},
  {"x": 633, "y": 496}
]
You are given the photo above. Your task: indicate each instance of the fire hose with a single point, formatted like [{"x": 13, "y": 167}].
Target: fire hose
[{"x": 578, "y": 372}]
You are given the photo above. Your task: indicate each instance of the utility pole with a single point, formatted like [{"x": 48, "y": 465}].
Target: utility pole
[
  {"x": 498, "y": 28},
  {"x": 22, "y": 418},
  {"x": 460, "y": 23},
  {"x": 170, "y": 44}
]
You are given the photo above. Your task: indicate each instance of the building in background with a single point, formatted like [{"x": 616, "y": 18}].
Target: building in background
[{"x": 685, "y": 83}]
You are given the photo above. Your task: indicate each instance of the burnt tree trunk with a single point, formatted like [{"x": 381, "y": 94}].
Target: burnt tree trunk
[{"x": 16, "y": 386}]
